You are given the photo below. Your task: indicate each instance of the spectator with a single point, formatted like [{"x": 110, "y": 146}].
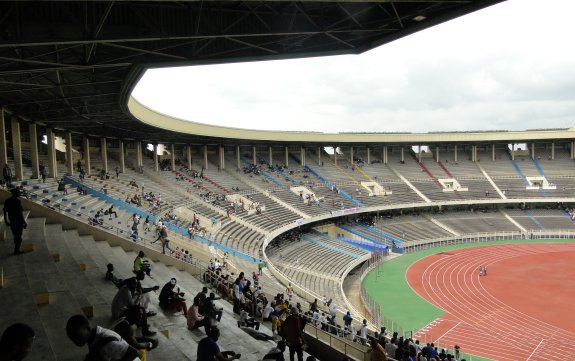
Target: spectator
[
  {"x": 247, "y": 320},
  {"x": 377, "y": 352},
  {"x": 208, "y": 349},
  {"x": 7, "y": 172},
  {"x": 194, "y": 318},
  {"x": 276, "y": 353},
  {"x": 111, "y": 277},
  {"x": 172, "y": 298},
  {"x": 292, "y": 332},
  {"x": 16, "y": 342},
  {"x": 102, "y": 343},
  {"x": 139, "y": 261},
  {"x": 209, "y": 308},
  {"x": 125, "y": 331},
  {"x": 14, "y": 218},
  {"x": 125, "y": 305}
]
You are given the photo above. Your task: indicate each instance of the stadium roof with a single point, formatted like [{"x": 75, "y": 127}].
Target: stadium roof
[{"x": 72, "y": 65}]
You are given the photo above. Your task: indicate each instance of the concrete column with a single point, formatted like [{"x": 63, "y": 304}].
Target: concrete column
[
  {"x": 385, "y": 154},
  {"x": 271, "y": 160},
  {"x": 493, "y": 152},
  {"x": 139, "y": 153},
  {"x": 122, "y": 156},
  {"x": 104, "y": 150},
  {"x": 437, "y": 154},
  {"x": 52, "y": 171},
  {"x": 368, "y": 155},
  {"x": 335, "y": 155},
  {"x": 287, "y": 156},
  {"x": 189, "y": 156},
  {"x": 402, "y": 155},
  {"x": 552, "y": 151},
  {"x": 34, "y": 150},
  {"x": 205, "y": 156},
  {"x": 69, "y": 159},
  {"x": 351, "y": 155},
  {"x": 238, "y": 157},
  {"x": 318, "y": 155},
  {"x": 532, "y": 150},
  {"x": 419, "y": 154},
  {"x": 513, "y": 151},
  {"x": 455, "y": 154},
  {"x": 173, "y": 151},
  {"x": 254, "y": 155},
  {"x": 156, "y": 162},
  {"x": 222, "y": 152},
  {"x": 302, "y": 156},
  {"x": 87, "y": 165},
  {"x": 3, "y": 145},
  {"x": 572, "y": 150},
  {"x": 17, "y": 149}
]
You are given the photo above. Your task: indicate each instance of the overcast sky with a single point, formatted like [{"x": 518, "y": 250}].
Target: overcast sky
[{"x": 508, "y": 67}]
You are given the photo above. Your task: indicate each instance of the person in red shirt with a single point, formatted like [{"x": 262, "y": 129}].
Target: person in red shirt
[{"x": 293, "y": 333}]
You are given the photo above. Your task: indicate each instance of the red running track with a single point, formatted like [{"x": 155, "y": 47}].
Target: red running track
[{"x": 522, "y": 309}]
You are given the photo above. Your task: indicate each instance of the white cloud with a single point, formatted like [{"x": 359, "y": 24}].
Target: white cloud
[{"x": 510, "y": 66}]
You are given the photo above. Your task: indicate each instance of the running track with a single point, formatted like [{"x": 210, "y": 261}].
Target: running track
[{"x": 483, "y": 324}]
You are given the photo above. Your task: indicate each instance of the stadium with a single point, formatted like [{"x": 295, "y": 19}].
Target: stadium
[{"x": 438, "y": 237}]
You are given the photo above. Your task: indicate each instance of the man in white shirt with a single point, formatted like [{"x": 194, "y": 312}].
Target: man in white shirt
[
  {"x": 363, "y": 332},
  {"x": 103, "y": 343},
  {"x": 268, "y": 309}
]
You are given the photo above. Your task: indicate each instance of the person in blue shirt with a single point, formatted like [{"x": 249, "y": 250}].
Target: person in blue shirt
[{"x": 209, "y": 350}]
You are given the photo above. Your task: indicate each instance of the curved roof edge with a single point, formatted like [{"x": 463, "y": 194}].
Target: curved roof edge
[{"x": 155, "y": 119}]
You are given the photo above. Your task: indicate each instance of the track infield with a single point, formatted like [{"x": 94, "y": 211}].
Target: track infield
[{"x": 438, "y": 296}]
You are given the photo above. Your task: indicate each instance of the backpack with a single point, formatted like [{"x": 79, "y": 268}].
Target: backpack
[{"x": 94, "y": 354}]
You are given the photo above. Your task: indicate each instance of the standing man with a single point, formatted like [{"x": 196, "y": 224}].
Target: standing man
[
  {"x": 260, "y": 267},
  {"x": 14, "y": 218},
  {"x": 7, "y": 172},
  {"x": 294, "y": 335}
]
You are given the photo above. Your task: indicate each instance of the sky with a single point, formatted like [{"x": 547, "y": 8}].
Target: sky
[{"x": 510, "y": 66}]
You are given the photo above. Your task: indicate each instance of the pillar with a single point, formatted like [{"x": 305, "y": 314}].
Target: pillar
[
  {"x": 552, "y": 151},
  {"x": 34, "y": 150},
  {"x": 222, "y": 152},
  {"x": 318, "y": 155},
  {"x": 69, "y": 159},
  {"x": 271, "y": 156},
  {"x": 572, "y": 150},
  {"x": 455, "y": 154},
  {"x": 493, "y": 152},
  {"x": 335, "y": 155},
  {"x": 139, "y": 153},
  {"x": 287, "y": 156},
  {"x": 351, "y": 155},
  {"x": 302, "y": 156},
  {"x": 122, "y": 156},
  {"x": 173, "y": 151},
  {"x": 532, "y": 150},
  {"x": 52, "y": 172},
  {"x": 513, "y": 151},
  {"x": 238, "y": 157},
  {"x": 205, "y": 156},
  {"x": 368, "y": 155},
  {"x": 189, "y": 156},
  {"x": 437, "y": 154},
  {"x": 87, "y": 165},
  {"x": 254, "y": 155},
  {"x": 419, "y": 154},
  {"x": 402, "y": 155},
  {"x": 385, "y": 150},
  {"x": 155, "y": 155},
  {"x": 17, "y": 149},
  {"x": 104, "y": 150},
  {"x": 3, "y": 147}
]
